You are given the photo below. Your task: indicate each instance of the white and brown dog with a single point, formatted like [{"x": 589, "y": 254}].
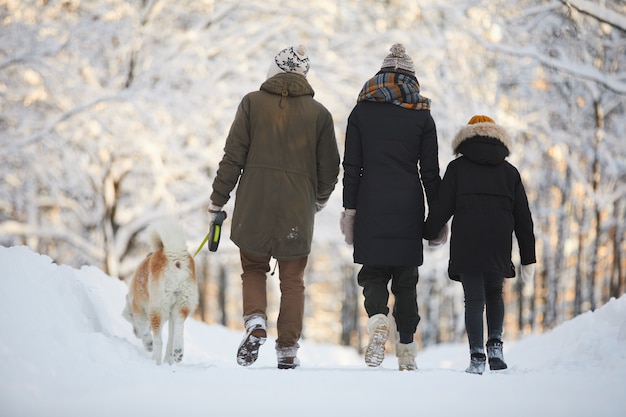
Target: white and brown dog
[{"x": 163, "y": 288}]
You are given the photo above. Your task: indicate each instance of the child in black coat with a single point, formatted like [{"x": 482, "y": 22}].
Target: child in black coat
[{"x": 486, "y": 196}]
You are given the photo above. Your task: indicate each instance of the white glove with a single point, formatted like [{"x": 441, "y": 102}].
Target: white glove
[
  {"x": 441, "y": 238},
  {"x": 213, "y": 210},
  {"x": 528, "y": 273},
  {"x": 346, "y": 224}
]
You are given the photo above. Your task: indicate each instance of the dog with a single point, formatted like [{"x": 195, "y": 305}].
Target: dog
[{"x": 163, "y": 288}]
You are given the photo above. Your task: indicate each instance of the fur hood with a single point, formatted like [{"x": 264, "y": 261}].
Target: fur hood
[{"x": 485, "y": 129}]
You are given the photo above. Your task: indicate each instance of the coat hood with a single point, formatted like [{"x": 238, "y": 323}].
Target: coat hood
[
  {"x": 288, "y": 84},
  {"x": 485, "y": 143}
]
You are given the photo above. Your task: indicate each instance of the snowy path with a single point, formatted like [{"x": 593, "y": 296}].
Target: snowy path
[{"x": 66, "y": 351}]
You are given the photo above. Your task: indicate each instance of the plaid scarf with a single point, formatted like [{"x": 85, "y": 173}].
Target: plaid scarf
[{"x": 397, "y": 88}]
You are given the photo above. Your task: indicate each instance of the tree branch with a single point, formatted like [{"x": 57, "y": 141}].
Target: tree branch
[
  {"x": 596, "y": 11},
  {"x": 579, "y": 70},
  {"x": 21, "y": 229},
  {"x": 68, "y": 114}
]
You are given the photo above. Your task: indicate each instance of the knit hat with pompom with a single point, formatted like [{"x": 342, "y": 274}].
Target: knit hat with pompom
[
  {"x": 398, "y": 59},
  {"x": 293, "y": 59},
  {"x": 480, "y": 119}
]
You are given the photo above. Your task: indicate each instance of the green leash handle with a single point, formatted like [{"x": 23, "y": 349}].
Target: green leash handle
[
  {"x": 213, "y": 237},
  {"x": 216, "y": 231}
]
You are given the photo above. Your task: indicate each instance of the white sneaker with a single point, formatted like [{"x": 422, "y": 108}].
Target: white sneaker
[{"x": 378, "y": 329}]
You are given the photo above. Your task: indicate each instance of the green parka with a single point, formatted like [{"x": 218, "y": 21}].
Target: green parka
[{"x": 282, "y": 149}]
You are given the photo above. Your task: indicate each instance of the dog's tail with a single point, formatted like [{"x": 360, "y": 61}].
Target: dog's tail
[{"x": 168, "y": 234}]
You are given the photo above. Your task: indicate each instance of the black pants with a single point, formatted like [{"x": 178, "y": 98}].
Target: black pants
[
  {"x": 483, "y": 289},
  {"x": 374, "y": 280}
]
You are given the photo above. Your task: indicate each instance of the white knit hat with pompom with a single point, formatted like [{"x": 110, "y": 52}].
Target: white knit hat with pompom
[{"x": 293, "y": 59}]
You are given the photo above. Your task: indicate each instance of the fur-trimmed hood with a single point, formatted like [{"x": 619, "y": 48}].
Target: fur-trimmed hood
[
  {"x": 485, "y": 143},
  {"x": 487, "y": 129}
]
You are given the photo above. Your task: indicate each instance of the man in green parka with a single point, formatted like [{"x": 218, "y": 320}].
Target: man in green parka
[{"x": 282, "y": 150}]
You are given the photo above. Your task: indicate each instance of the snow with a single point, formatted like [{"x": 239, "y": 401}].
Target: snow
[{"x": 65, "y": 350}]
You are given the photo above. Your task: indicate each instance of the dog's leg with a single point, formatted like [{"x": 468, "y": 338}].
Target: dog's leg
[
  {"x": 128, "y": 311},
  {"x": 141, "y": 326},
  {"x": 178, "y": 318},
  {"x": 170, "y": 340},
  {"x": 155, "y": 324},
  {"x": 146, "y": 339}
]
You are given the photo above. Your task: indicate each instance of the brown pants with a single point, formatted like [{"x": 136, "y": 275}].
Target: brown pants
[{"x": 291, "y": 276}]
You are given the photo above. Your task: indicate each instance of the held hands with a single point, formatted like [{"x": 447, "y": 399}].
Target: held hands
[
  {"x": 441, "y": 238},
  {"x": 528, "y": 273},
  {"x": 346, "y": 224}
]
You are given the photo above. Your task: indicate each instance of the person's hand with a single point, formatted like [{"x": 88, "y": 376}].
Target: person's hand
[
  {"x": 346, "y": 224},
  {"x": 441, "y": 238},
  {"x": 213, "y": 210},
  {"x": 319, "y": 206},
  {"x": 528, "y": 273}
]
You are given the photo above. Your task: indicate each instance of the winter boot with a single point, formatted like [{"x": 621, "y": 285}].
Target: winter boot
[
  {"x": 406, "y": 356},
  {"x": 494, "y": 353},
  {"x": 256, "y": 334},
  {"x": 378, "y": 329},
  {"x": 287, "y": 357},
  {"x": 477, "y": 364}
]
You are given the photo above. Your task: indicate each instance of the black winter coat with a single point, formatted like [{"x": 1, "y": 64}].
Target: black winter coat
[
  {"x": 385, "y": 144},
  {"x": 486, "y": 196}
]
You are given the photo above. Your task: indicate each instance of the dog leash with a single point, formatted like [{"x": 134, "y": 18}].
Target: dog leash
[{"x": 202, "y": 244}]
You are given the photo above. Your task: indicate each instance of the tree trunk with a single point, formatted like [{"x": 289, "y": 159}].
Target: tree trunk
[
  {"x": 551, "y": 282},
  {"x": 597, "y": 178},
  {"x": 108, "y": 223},
  {"x": 221, "y": 297},
  {"x": 618, "y": 279},
  {"x": 532, "y": 304},
  {"x": 561, "y": 237},
  {"x": 519, "y": 290},
  {"x": 350, "y": 308},
  {"x": 203, "y": 279},
  {"x": 579, "y": 286}
]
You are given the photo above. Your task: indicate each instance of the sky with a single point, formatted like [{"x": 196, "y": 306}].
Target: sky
[{"x": 66, "y": 351}]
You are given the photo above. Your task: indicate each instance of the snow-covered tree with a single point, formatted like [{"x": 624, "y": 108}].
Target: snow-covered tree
[{"x": 114, "y": 113}]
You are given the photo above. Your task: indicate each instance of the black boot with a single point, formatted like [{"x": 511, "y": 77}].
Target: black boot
[
  {"x": 494, "y": 352},
  {"x": 477, "y": 364}
]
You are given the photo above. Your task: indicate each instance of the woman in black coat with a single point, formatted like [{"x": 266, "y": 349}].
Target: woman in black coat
[
  {"x": 390, "y": 152},
  {"x": 486, "y": 196}
]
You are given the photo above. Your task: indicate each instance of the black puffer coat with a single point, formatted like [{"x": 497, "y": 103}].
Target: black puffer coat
[
  {"x": 486, "y": 196},
  {"x": 385, "y": 144}
]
